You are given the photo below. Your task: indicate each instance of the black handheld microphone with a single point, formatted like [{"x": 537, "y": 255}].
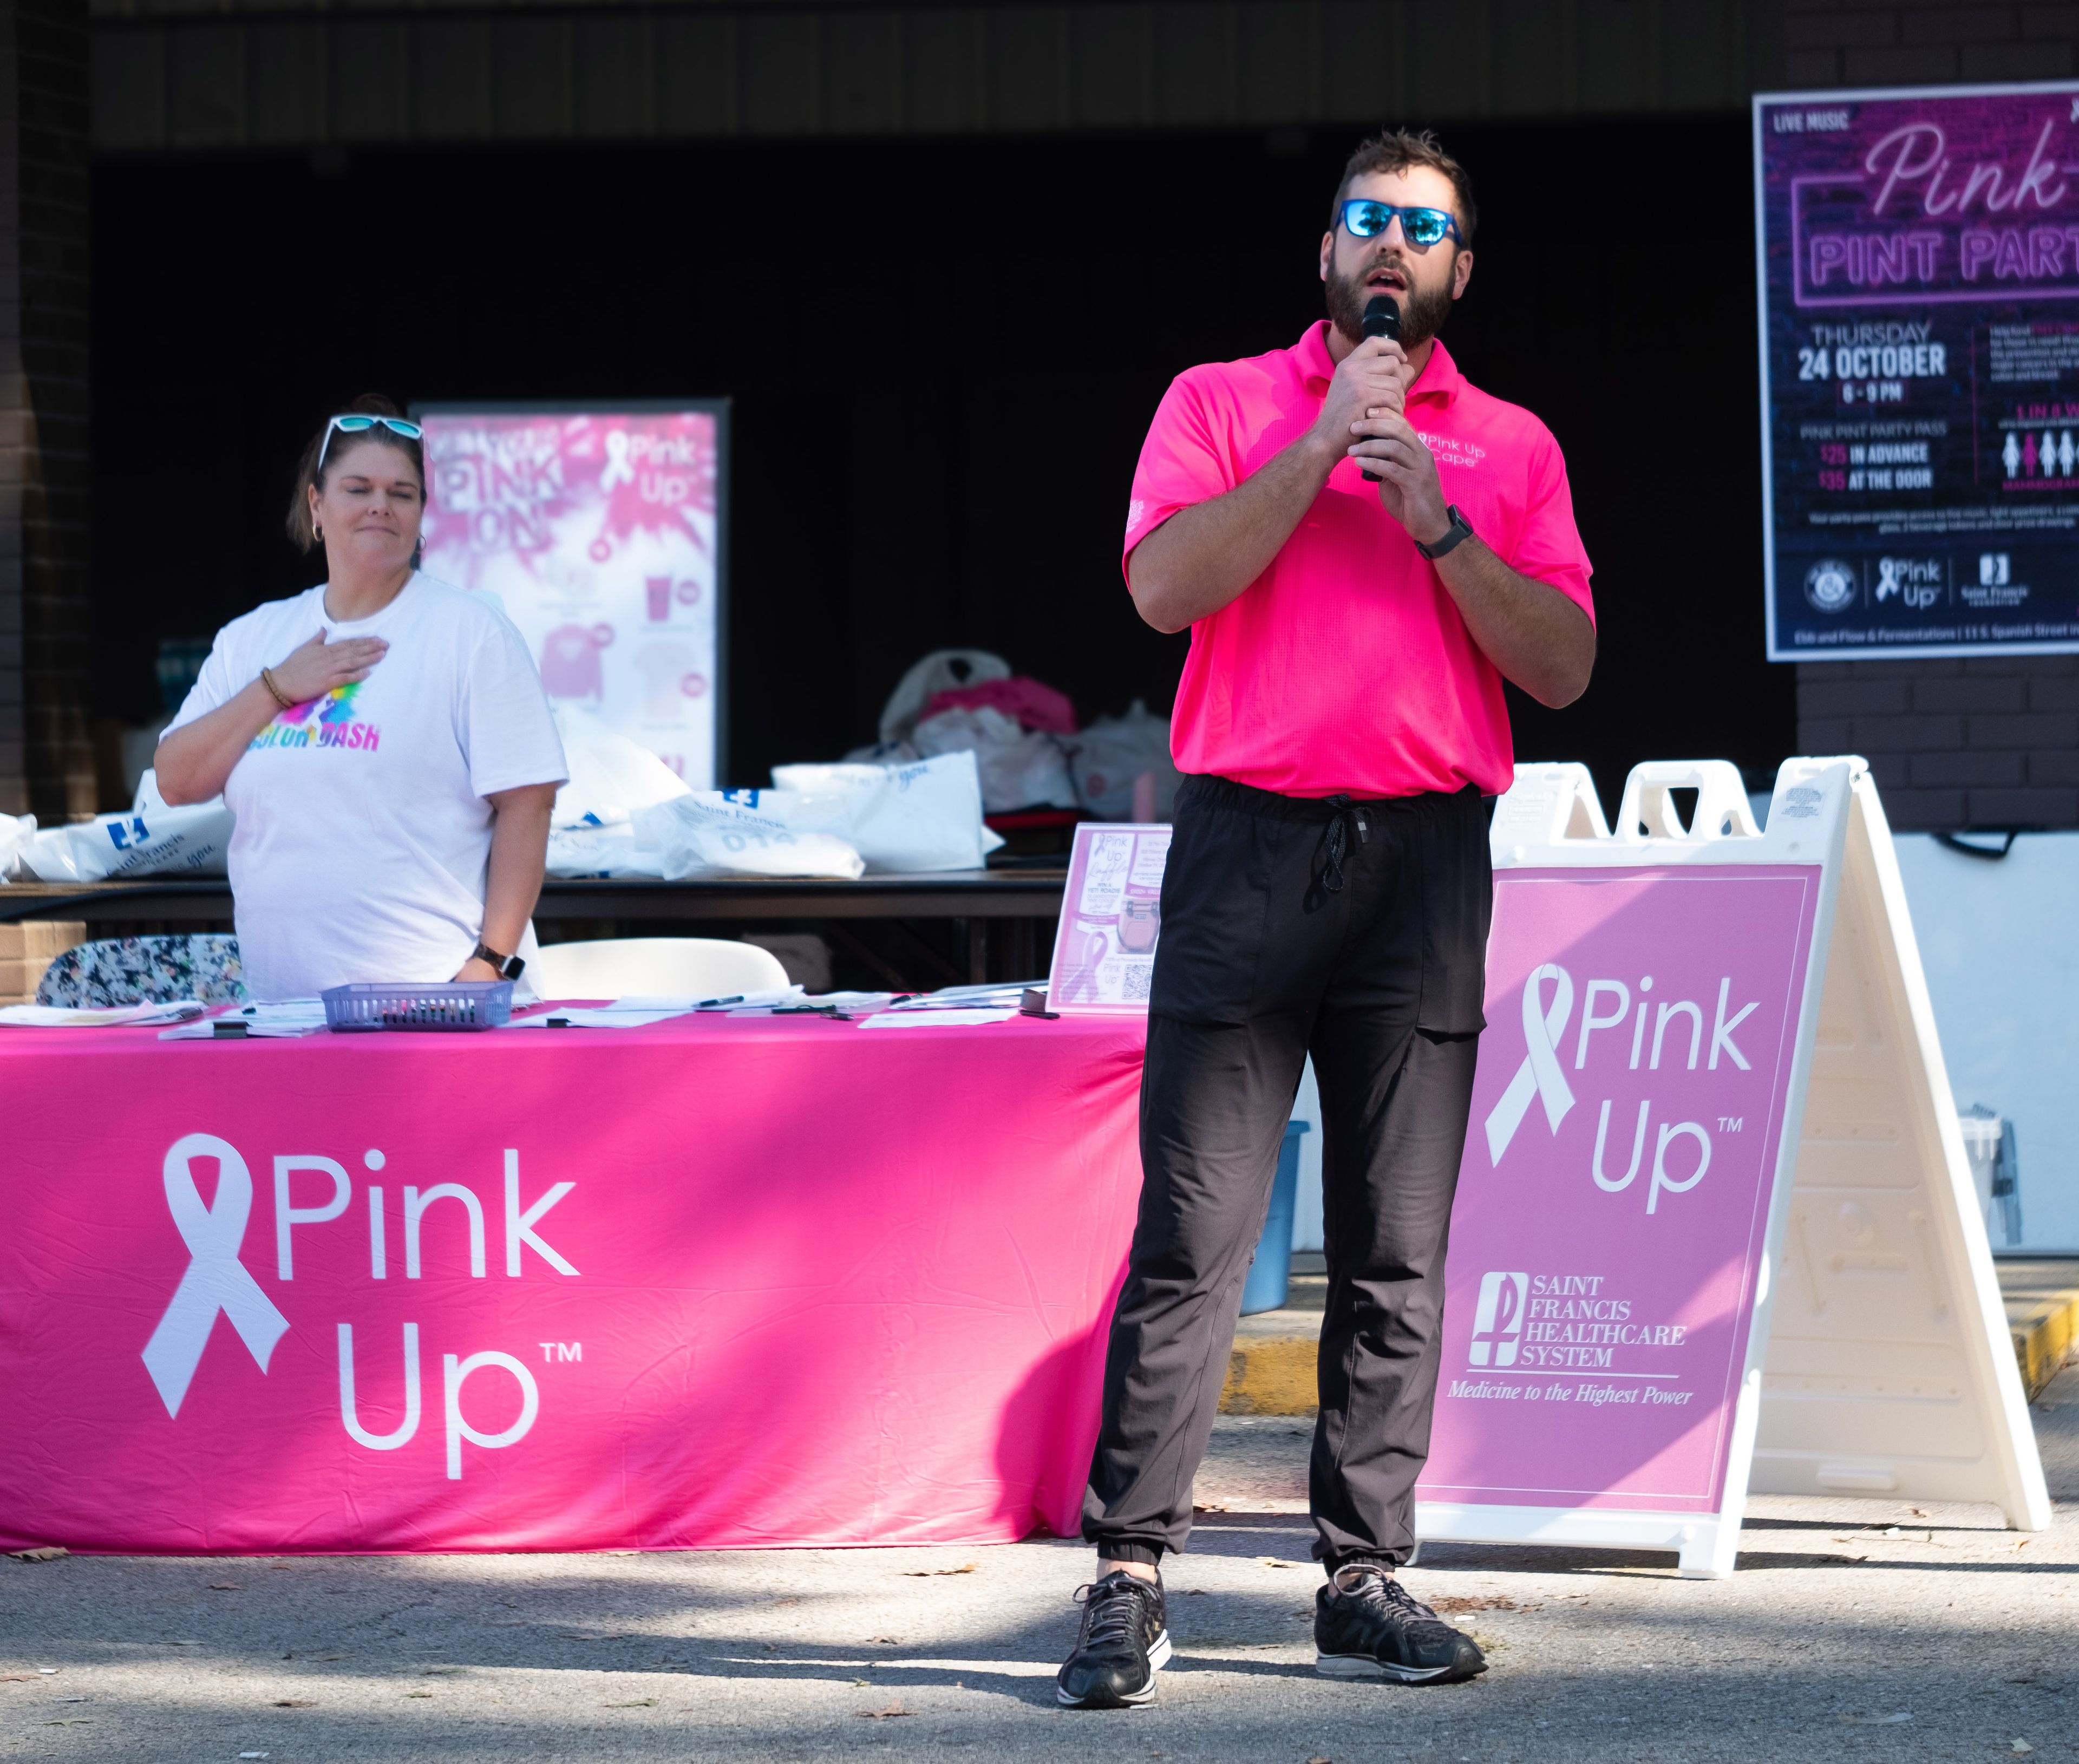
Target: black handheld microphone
[{"x": 1381, "y": 318}]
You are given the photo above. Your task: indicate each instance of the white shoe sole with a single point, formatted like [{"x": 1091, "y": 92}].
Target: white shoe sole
[
  {"x": 1158, "y": 1656},
  {"x": 1363, "y": 1665}
]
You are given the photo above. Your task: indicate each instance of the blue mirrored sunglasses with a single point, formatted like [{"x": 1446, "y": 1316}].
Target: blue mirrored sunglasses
[
  {"x": 358, "y": 424},
  {"x": 1418, "y": 226}
]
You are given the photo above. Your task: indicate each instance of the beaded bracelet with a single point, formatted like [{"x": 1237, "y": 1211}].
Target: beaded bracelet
[{"x": 281, "y": 698}]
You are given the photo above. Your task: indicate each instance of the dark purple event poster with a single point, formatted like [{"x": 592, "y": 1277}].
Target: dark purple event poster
[{"x": 1918, "y": 254}]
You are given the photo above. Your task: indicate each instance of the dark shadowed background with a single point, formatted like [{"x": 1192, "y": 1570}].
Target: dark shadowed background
[{"x": 943, "y": 356}]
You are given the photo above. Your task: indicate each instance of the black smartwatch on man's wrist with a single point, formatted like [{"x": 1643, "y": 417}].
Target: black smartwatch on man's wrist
[
  {"x": 508, "y": 967},
  {"x": 1460, "y": 529}
]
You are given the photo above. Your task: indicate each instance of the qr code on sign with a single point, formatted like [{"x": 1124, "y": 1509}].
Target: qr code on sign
[{"x": 1134, "y": 980}]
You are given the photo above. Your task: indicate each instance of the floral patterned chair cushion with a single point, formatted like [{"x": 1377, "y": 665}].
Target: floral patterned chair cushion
[{"x": 146, "y": 971}]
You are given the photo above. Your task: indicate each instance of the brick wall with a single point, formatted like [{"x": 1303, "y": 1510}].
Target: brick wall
[
  {"x": 1992, "y": 743},
  {"x": 1851, "y": 43},
  {"x": 46, "y": 760}
]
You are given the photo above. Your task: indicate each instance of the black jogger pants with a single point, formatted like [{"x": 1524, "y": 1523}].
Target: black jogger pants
[{"x": 1356, "y": 931}]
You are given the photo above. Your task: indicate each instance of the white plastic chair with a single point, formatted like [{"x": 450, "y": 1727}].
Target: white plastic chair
[{"x": 655, "y": 967}]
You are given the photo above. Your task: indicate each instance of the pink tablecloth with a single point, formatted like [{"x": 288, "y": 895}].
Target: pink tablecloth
[{"x": 715, "y": 1283}]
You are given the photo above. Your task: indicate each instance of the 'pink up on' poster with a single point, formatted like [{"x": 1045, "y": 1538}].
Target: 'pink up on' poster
[{"x": 601, "y": 531}]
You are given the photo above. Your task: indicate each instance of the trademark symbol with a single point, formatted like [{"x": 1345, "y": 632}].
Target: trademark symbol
[
  {"x": 1728, "y": 1123},
  {"x": 555, "y": 1351}
]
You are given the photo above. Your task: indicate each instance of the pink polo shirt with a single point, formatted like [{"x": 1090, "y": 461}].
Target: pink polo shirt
[{"x": 1346, "y": 666}]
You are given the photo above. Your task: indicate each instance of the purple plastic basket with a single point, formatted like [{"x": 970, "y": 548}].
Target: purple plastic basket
[{"x": 449, "y": 1005}]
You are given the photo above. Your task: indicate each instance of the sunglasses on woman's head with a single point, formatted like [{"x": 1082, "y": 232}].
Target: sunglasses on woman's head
[
  {"x": 358, "y": 424},
  {"x": 1365, "y": 219}
]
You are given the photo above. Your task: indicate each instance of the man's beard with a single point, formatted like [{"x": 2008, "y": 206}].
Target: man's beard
[{"x": 1422, "y": 311}]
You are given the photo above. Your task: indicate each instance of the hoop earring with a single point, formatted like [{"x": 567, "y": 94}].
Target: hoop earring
[{"x": 316, "y": 531}]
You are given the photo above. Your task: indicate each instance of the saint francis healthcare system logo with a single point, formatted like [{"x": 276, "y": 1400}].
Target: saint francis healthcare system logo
[
  {"x": 1498, "y": 1319},
  {"x": 1678, "y": 1035},
  {"x": 217, "y": 1281}
]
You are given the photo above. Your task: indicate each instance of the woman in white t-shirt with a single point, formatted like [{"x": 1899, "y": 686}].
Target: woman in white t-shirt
[{"x": 383, "y": 739}]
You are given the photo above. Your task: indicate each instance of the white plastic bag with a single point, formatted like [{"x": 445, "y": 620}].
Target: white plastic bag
[
  {"x": 584, "y": 852},
  {"x": 1106, "y": 758},
  {"x": 148, "y": 800},
  {"x": 1019, "y": 769},
  {"x": 613, "y": 779},
  {"x": 735, "y": 833},
  {"x": 15, "y": 831},
  {"x": 925, "y": 816},
  {"x": 188, "y": 840},
  {"x": 941, "y": 672}
]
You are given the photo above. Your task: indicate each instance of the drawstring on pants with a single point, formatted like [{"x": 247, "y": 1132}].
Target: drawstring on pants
[{"x": 1346, "y": 817}]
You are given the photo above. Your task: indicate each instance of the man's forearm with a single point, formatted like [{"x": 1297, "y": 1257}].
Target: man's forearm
[
  {"x": 1540, "y": 640},
  {"x": 1204, "y": 556}
]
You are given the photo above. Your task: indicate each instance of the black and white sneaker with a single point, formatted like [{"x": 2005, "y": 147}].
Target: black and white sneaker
[
  {"x": 1123, "y": 1642},
  {"x": 1367, "y": 1625}
]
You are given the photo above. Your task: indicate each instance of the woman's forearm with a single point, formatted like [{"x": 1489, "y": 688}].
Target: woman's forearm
[
  {"x": 194, "y": 761},
  {"x": 519, "y": 859}
]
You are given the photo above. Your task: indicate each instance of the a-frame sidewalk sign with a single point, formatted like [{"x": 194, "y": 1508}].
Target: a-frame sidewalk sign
[{"x": 1715, "y": 1231}]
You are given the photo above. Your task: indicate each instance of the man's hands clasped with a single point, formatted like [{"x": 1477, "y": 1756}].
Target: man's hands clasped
[
  {"x": 1367, "y": 400},
  {"x": 316, "y": 667},
  {"x": 1371, "y": 379},
  {"x": 1409, "y": 490}
]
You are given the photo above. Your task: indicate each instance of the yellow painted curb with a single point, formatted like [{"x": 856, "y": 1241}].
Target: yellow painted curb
[
  {"x": 1274, "y": 1374},
  {"x": 1271, "y": 1375},
  {"x": 2043, "y": 1338}
]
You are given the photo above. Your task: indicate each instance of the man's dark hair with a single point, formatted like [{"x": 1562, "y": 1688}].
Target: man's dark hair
[{"x": 1395, "y": 150}]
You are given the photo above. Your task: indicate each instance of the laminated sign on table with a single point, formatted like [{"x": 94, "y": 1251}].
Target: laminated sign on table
[
  {"x": 1111, "y": 918},
  {"x": 1715, "y": 1231}
]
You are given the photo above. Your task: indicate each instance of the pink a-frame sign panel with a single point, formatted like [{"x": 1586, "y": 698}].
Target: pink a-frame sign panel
[{"x": 1612, "y": 1207}]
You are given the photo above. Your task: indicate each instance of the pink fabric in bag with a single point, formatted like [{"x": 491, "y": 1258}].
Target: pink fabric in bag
[{"x": 1035, "y": 704}]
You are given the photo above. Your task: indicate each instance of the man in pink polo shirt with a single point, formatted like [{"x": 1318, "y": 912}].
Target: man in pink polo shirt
[{"x": 1364, "y": 547}]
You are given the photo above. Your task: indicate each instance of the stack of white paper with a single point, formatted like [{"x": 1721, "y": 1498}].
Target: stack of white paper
[
  {"x": 291, "y": 1017},
  {"x": 106, "y": 1017}
]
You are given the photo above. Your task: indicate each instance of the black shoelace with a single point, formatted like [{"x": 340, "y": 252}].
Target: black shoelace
[
  {"x": 1387, "y": 1589},
  {"x": 1112, "y": 1613}
]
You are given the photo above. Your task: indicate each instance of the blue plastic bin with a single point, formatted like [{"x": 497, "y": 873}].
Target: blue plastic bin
[
  {"x": 1271, "y": 1272},
  {"x": 449, "y": 1004}
]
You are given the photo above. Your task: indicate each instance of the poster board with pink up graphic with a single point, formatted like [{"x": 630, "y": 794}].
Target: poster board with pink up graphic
[
  {"x": 1111, "y": 919},
  {"x": 1714, "y": 1231},
  {"x": 602, "y": 530}
]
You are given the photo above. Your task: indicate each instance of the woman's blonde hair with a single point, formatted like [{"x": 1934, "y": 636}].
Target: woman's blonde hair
[{"x": 302, "y": 534}]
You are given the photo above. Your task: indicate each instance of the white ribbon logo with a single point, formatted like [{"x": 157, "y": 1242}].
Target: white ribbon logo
[
  {"x": 617, "y": 469},
  {"x": 1539, "y": 1075},
  {"x": 215, "y": 1279}
]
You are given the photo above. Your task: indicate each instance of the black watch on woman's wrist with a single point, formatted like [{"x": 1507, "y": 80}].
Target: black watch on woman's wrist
[{"x": 508, "y": 967}]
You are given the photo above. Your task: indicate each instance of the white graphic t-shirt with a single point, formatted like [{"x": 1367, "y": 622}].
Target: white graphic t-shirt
[{"x": 363, "y": 835}]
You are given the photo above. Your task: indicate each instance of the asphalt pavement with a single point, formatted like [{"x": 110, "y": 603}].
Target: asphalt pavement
[{"x": 1853, "y": 1630}]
